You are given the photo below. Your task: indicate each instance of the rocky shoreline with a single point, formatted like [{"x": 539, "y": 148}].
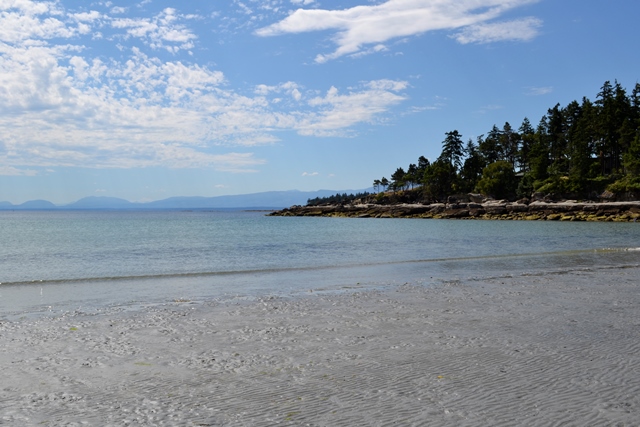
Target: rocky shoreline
[{"x": 490, "y": 210}]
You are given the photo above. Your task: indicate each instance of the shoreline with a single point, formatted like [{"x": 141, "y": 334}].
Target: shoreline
[
  {"x": 490, "y": 210},
  {"x": 513, "y": 350}
]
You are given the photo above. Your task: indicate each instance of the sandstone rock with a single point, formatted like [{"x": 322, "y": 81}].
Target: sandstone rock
[{"x": 475, "y": 198}]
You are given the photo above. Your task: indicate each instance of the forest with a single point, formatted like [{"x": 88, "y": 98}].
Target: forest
[{"x": 577, "y": 151}]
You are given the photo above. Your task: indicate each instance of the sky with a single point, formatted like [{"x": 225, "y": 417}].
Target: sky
[{"x": 150, "y": 99}]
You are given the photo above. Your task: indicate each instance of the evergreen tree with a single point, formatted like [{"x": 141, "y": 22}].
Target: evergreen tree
[
  {"x": 398, "y": 179},
  {"x": 423, "y": 164},
  {"x": 453, "y": 149},
  {"x": 607, "y": 135},
  {"x": 556, "y": 140},
  {"x": 509, "y": 141},
  {"x": 527, "y": 138},
  {"x": 539, "y": 155},
  {"x": 578, "y": 149},
  {"x": 491, "y": 148},
  {"x": 472, "y": 168},
  {"x": 411, "y": 178},
  {"x": 440, "y": 180},
  {"x": 582, "y": 140},
  {"x": 384, "y": 182}
]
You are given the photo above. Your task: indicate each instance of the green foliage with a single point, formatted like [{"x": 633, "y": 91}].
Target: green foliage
[
  {"x": 452, "y": 149},
  {"x": 398, "y": 179},
  {"x": 498, "y": 180},
  {"x": 440, "y": 180},
  {"x": 556, "y": 185},
  {"x": 632, "y": 157},
  {"x": 526, "y": 186},
  {"x": 627, "y": 184},
  {"x": 575, "y": 150},
  {"x": 471, "y": 171},
  {"x": 337, "y": 199}
]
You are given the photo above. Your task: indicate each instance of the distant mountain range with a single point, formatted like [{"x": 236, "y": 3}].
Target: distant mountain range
[{"x": 266, "y": 200}]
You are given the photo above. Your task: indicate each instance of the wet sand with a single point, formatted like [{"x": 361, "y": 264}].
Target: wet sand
[{"x": 535, "y": 350}]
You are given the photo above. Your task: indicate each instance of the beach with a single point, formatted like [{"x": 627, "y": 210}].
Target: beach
[{"x": 555, "y": 348}]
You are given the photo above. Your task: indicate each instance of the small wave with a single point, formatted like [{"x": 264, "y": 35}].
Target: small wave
[
  {"x": 618, "y": 250},
  {"x": 275, "y": 270}
]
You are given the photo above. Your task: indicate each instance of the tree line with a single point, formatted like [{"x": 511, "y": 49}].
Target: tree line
[
  {"x": 577, "y": 151},
  {"x": 337, "y": 199}
]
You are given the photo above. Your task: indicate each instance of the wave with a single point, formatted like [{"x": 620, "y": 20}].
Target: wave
[{"x": 275, "y": 270}]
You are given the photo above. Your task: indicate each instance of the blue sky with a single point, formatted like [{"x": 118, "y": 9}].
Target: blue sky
[{"x": 151, "y": 99}]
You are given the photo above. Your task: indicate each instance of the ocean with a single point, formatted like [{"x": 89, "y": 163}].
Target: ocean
[{"x": 57, "y": 261}]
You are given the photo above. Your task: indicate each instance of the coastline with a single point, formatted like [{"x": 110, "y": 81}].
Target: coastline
[
  {"x": 489, "y": 210},
  {"x": 531, "y": 349}
]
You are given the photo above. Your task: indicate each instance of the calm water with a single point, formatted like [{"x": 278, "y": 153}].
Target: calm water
[{"x": 52, "y": 261}]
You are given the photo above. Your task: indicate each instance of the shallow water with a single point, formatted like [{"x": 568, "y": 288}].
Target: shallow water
[{"x": 55, "y": 261}]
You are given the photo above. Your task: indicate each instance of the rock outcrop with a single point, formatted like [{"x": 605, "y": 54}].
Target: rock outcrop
[{"x": 489, "y": 209}]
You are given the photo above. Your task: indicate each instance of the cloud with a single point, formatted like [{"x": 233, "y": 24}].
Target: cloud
[
  {"x": 310, "y": 174},
  {"x": 360, "y": 26},
  {"x": 160, "y": 32},
  {"x": 11, "y": 171},
  {"x": 60, "y": 106},
  {"x": 538, "y": 91},
  {"x": 290, "y": 88},
  {"x": 491, "y": 107},
  {"x": 520, "y": 30},
  {"x": 338, "y": 112}
]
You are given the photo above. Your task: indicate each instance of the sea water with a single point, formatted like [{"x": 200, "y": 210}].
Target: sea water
[{"x": 51, "y": 261}]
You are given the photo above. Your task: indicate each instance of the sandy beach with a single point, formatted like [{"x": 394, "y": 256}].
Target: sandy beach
[{"x": 529, "y": 350}]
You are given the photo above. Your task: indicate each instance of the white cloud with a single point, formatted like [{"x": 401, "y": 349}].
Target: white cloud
[
  {"x": 87, "y": 16},
  {"x": 60, "y": 106},
  {"x": 338, "y": 112},
  {"x": 160, "y": 32},
  {"x": 359, "y": 26},
  {"x": 11, "y": 171},
  {"x": 21, "y": 21},
  {"x": 537, "y": 91},
  {"x": 520, "y": 30},
  {"x": 310, "y": 174},
  {"x": 290, "y": 88}
]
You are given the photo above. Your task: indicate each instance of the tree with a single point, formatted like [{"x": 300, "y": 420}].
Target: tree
[
  {"x": 472, "y": 168},
  {"x": 581, "y": 139},
  {"x": 376, "y": 185},
  {"x": 453, "y": 149},
  {"x": 614, "y": 108},
  {"x": 527, "y": 133},
  {"x": 423, "y": 164},
  {"x": 509, "y": 141},
  {"x": 411, "y": 177},
  {"x": 498, "y": 180},
  {"x": 398, "y": 179},
  {"x": 384, "y": 182},
  {"x": 556, "y": 139},
  {"x": 579, "y": 149},
  {"x": 632, "y": 157},
  {"x": 490, "y": 147},
  {"x": 440, "y": 179},
  {"x": 539, "y": 155}
]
